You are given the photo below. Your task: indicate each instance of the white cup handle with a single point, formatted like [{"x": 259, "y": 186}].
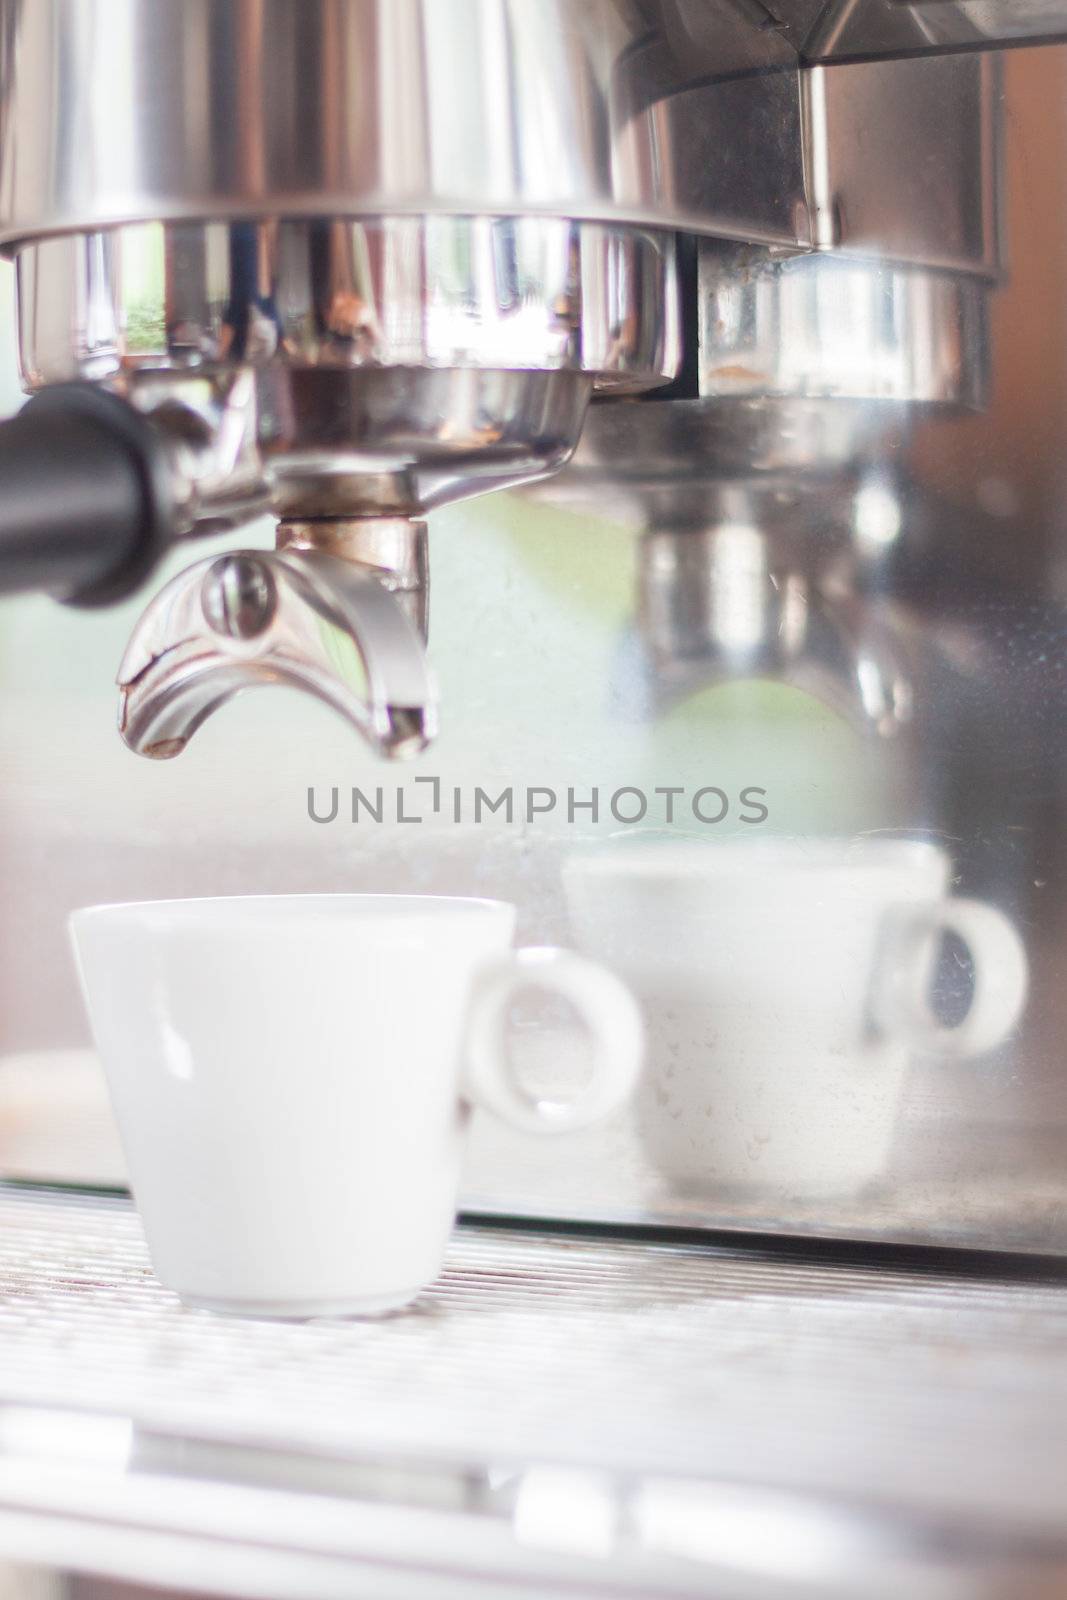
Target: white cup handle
[
  {"x": 1001, "y": 978},
  {"x": 605, "y": 1005}
]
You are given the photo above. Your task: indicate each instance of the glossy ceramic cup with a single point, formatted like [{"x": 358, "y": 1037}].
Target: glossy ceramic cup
[{"x": 292, "y": 1075}]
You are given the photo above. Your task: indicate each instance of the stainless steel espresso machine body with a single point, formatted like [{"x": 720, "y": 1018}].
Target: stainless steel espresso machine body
[{"x": 758, "y": 308}]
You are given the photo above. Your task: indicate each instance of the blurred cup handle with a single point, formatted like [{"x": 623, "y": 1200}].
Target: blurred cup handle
[{"x": 901, "y": 1004}]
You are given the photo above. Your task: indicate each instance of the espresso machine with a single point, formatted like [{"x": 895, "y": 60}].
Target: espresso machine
[
  {"x": 704, "y": 280},
  {"x": 755, "y": 307}
]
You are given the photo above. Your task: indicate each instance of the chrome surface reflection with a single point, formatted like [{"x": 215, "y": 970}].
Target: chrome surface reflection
[
  {"x": 722, "y": 603},
  {"x": 834, "y": 328},
  {"x": 841, "y": 28},
  {"x": 481, "y": 292}
]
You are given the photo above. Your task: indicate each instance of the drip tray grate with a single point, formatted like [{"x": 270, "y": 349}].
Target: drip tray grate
[{"x": 944, "y": 1395}]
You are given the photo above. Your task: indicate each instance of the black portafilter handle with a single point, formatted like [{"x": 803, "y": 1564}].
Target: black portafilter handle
[{"x": 85, "y": 502}]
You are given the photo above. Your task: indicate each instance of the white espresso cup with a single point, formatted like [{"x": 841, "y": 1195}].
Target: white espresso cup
[
  {"x": 291, "y": 1076},
  {"x": 785, "y": 986}
]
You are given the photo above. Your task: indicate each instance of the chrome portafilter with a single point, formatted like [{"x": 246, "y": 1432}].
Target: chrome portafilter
[
  {"x": 350, "y": 460},
  {"x": 364, "y": 374}
]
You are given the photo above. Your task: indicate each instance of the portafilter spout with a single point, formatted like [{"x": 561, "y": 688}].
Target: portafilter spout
[{"x": 311, "y": 620}]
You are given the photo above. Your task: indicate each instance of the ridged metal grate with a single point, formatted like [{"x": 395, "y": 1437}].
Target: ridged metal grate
[{"x": 935, "y": 1391}]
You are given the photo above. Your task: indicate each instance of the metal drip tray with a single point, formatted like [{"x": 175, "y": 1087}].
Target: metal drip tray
[{"x": 555, "y": 1414}]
